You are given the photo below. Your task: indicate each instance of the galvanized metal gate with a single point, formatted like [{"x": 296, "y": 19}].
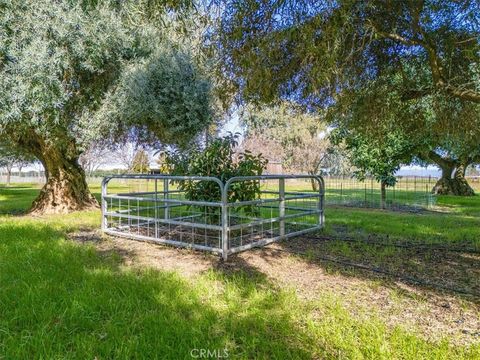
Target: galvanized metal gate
[{"x": 154, "y": 208}]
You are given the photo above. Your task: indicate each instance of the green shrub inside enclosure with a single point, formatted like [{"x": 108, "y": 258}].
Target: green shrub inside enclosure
[{"x": 218, "y": 159}]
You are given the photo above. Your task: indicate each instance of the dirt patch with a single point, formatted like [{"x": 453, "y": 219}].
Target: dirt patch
[
  {"x": 432, "y": 313},
  {"x": 145, "y": 254},
  {"x": 457, "y": 271},
  {"x": 86, "y": 236}
]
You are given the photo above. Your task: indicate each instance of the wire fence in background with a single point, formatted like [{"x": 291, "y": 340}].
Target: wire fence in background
[
  {"x": 22, "y": 179},
  {"x": 40, "y": 179},
  {"x": 409, "y": 192}
]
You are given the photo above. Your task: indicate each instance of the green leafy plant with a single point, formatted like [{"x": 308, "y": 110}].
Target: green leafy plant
[{"x": 218, "y": 159}]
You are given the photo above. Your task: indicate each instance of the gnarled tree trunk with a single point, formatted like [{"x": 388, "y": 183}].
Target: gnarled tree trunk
[
  {"x": 453, "y": 185},
  {"x": 66, "y": 189},
  {"x": 443, "y": 185}
]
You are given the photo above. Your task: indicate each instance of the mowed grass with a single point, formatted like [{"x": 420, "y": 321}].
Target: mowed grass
[
  {"x": 452, "y": 220},
  {"x": 60, "y": 299},
  {"x": 455, "y": 222}
]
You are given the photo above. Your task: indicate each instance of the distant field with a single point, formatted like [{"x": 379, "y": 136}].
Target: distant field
[{"x": 409, "y": 191}]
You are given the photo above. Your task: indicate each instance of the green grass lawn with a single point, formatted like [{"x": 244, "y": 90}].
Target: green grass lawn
[
  {"x": 456, "y": 222},
  {"x": 64, "y": 300}
]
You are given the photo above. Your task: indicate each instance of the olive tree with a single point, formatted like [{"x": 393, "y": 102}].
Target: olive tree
[
  {"x": 435, "y": 129},
  {"x": 74, "y": 72},
  {"x": 315, "y": 49},
  {"x": 366, "y": 61}
]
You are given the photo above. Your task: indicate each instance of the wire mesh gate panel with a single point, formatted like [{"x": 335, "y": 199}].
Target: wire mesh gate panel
[{"x": 155, "y": 208}]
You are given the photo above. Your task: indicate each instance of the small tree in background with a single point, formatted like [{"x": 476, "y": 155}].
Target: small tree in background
[
  {"x": 11, "y": 157},
  {"x": 286, "y": 130},
  {"x": 141, "y": 162},
  {"x": 94, "y": 156},
  {"x": 379, "y": 159},
  {"x": 7, "y": 162}
]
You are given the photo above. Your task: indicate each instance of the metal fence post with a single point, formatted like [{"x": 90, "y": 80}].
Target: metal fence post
[
  {"x": 321, "y": 202},
  {"x": 103, "y": 205},
  {"x": 224, "y": 191},
  {"x": 166, "y": 210},
  {"x": 281, "y": 206},
  {"x": 365, "y": 183},
  {"x": 156, "y": 208}
]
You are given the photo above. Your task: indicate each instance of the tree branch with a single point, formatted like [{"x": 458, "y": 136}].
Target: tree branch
[
  {"x": 440, "y": 161},
  {"x": 397, "y": 37},
  {"x": 434, "y": 60},
  {"x": 466, "y": 94}
]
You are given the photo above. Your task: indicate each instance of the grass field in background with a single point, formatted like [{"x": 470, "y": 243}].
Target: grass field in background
[
  {"x": 409, "y": 191},
  {"x": 60, "y": 299}
]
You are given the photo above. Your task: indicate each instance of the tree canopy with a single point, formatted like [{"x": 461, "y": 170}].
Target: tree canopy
[
  {"x": 313, "y": 50},
  {"x": 409, "y": 68},
  {"x": 73, "y": 72}
]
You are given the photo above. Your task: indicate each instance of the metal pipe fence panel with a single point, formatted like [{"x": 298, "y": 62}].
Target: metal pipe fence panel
[{"x": 156, "y": 208}]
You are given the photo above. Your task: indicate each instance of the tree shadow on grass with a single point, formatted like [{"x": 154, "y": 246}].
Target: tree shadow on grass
[
  {"x": 435, "y": 271},
  {"x": 364, "y": 302},
  {"x": 59, "y": 299}
]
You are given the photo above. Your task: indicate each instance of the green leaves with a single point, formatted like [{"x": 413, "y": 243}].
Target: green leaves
[
  {"x": 62, "y": 60},
  {"x": 219, "y": 159},
  {"x": 71, "y": 69},
  {"x": 379, "y": 158},
  {"x": 166, "y": 96},
  {"x": 313, "y": 51}
]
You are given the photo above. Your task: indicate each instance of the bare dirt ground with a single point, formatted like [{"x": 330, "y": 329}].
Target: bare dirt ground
[{"x": 433, "y": 312}]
